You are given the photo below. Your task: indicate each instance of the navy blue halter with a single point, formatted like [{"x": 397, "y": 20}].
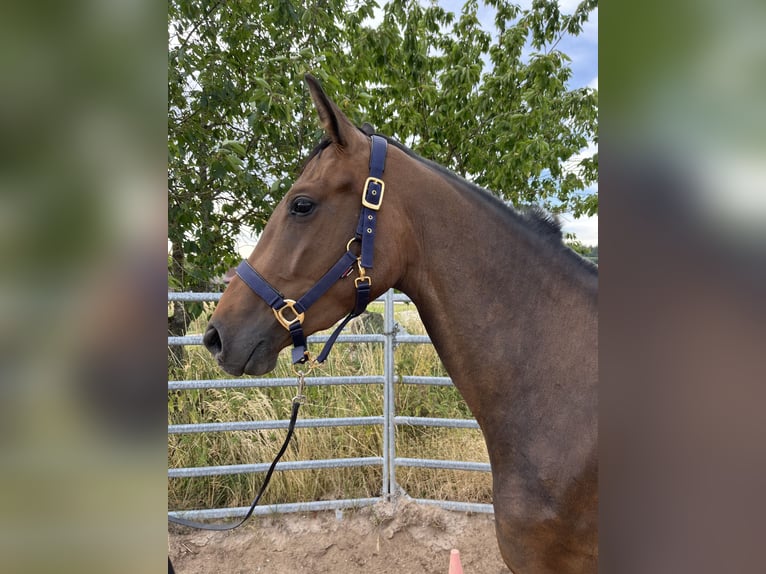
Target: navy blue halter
[{"x": 290, "y": 313}]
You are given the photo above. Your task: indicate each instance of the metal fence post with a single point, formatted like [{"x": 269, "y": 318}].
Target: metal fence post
[{"x": 388, "y": 393}]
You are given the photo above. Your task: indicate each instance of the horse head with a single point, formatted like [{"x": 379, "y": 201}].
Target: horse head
[{"x": 314, "y": 224}]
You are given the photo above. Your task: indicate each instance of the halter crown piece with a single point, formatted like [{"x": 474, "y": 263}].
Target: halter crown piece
[{"x": 290, "y": 313}]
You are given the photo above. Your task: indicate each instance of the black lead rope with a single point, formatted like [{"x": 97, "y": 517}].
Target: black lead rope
[{"x": 232, "y": 525}]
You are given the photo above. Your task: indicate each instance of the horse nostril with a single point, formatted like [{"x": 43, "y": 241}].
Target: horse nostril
[{"x": 212, "y": 340}]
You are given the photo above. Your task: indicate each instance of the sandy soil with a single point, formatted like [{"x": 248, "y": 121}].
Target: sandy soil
[{"x": 386, "y": 538}]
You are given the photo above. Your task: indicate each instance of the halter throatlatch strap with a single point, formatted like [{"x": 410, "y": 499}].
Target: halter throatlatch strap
[{"x": 290, "y": 313}]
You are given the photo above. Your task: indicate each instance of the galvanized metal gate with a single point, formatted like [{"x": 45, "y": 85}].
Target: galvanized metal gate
[{"x": 388, "y": 420}]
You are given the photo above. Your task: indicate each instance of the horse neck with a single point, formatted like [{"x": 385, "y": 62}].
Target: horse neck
[{"x": 496, "y": 297}]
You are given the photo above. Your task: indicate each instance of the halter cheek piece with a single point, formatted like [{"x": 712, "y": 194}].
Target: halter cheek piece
[{"x": 290, "y": 313}]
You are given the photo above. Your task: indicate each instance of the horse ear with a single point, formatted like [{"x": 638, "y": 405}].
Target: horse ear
[{"x": 338, "y": 127}]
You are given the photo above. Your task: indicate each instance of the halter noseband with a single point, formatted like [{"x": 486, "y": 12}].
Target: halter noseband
[{"x": 290, "y": 313}]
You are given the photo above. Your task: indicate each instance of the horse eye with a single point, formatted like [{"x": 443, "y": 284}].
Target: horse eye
[{"x": 302, "y": 206}]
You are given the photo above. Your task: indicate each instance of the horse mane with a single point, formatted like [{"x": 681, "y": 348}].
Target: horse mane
[
  {"x": 546, "y": 223},
  {"x": 534, "y": 218}
]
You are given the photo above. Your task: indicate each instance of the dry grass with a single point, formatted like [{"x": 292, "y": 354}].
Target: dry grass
[{"x": 217, "y": 405}]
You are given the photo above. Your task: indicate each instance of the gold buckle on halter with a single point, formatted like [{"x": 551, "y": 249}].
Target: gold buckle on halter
[
  {"x": 373, "y": 206},
  {"x": 358, "y": 280},
  {"x": 284, "y": 321},
  {"x": 362, "y": 274}
]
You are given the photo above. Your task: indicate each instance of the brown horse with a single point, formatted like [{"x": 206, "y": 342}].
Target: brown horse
[{"x": 511, "y": 312}]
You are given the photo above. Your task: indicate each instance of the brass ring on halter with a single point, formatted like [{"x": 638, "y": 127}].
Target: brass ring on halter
[{"x": 350, "y": 241}]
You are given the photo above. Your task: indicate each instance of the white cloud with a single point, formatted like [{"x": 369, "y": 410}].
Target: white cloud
[
  {"x": 593, "y": 84},
  {"x": 568, "y": 6},
  {"x": 376, "y": 19},
  {"x": 584, "y": 228},
  {"x": 572, "y": 165}
]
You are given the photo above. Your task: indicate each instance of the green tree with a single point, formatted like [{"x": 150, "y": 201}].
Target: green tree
[
  {"x": 511, "y": 127},
  {"x": 240, "y": 120}
]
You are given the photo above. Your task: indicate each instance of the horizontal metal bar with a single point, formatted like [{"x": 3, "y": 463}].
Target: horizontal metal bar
[
  {"x": 263, "y": 467},
  {"x": 269, "y": 383},
  {"x": 443, "y": 464},
  {"x": 434, "y": 381},
  {"x": 416, "y": 339},
  {"x": 184, "y": 341},
  {"x": 275, "y": 508},
  {"x": 190, "y": 297},
  {"x": 435, "y": 422},
  {"x": 458, "y": 506},
  {"x": 269, "y": 425},
  {"x": 372, "y": 338},
  {"x": 197, "y": 339}
]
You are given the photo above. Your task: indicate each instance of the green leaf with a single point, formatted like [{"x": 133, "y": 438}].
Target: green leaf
[
  {"x": 235, "y": 146},
  {"x": 262, "y": 83},
  {"x": 233, "y": 161}
]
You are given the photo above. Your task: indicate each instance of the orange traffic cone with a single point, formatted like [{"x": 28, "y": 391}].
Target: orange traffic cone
[{"x": 455, "y": 567}]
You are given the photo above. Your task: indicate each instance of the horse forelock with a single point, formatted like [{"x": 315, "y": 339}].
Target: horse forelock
[
  {"x": 325, "y": 142},
  {"x": 316, "y": 152}
]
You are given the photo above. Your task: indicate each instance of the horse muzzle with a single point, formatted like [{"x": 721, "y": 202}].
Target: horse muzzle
[{"x": 241, "y": 353}]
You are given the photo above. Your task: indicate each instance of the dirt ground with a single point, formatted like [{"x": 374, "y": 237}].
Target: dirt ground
[{"x": 388, "y": 538}]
